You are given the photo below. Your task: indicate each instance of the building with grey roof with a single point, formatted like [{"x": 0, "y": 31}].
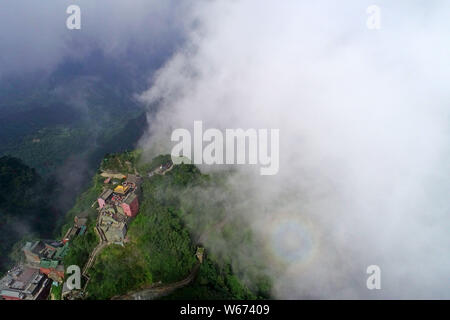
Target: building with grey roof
[{"x": 24, "y": 283}]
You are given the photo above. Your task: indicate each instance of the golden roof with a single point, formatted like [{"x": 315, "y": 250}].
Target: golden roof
[{"x": 121, "y": 189}]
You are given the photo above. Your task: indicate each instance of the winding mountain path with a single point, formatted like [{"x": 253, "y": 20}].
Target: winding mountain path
[
  {"x": 158, "y": 290},
  {"x": 102, "y": 244}
]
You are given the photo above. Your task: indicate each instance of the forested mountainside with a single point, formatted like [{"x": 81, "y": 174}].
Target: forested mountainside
[
  {"x": 26, "y": 209},
  {"x": 54, "y": 129},
  {"x": 61, "y": 124},
  {"x": 45, "y": 119},
  {"x": 163, "y": 238}
]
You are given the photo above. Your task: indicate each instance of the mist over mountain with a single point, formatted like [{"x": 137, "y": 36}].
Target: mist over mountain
[
  {"x": 363, "y": 118},
  {"x": 35, "y": 37},
  {"x": 364, "y": 136},
  {"x": 67, "y": 97}
]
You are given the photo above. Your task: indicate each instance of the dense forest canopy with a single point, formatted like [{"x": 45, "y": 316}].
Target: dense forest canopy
[
  {"x": 25, "y": 206},
  {"x": 163, "y": 238}
]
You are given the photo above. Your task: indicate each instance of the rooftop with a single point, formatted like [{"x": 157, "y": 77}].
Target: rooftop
[
  {"x": 132, "y": 178},
  {"x": 106, "y": 194},
  {"x": 21, "y": 281},
  {"x": 120, "y": 189},
  {"x": 129, "y": 199},
  {"x": 49, "y": 264}
]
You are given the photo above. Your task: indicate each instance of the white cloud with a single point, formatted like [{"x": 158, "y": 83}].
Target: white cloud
[
  {"x": 34, "y": 36},
  {"x": 363, "y": 118}
]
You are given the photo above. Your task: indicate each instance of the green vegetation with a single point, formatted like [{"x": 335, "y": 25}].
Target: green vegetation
[
  {"x": 85, "y": 201},
  {"x": 41, "y": 115},
  {"x": 176, "y": 212},
  {"x": 213, "y": 283},
  {"x": 46, "y": 149},
  {"x": 81, "y": 247},
  {"x": 57, "y": 133},
  {"x": 117, "y": 270},
  {"x": 124, "y": 162},
  {"x": 55, "y": 292},
  {"x": 160, "y": 248},
  {"x": 25, "y": 209}
]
